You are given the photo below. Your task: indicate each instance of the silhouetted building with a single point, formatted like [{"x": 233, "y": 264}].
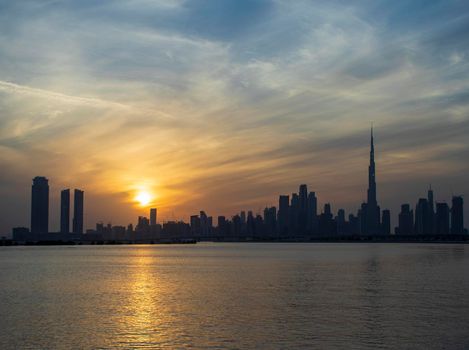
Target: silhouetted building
[
  {"x": 372, "y": 213},
  {"x": 327, "y": 225},
  {"x": 221, "y": 220},
  {"x": 457, "y": 215},
  {"x": 354, "y": 225},
  {"x": 205, "y": 224},
  {"x": 312, "y": 213},
  {"x": 422, "y": 217},
  {"x": 406, "y": 220},
  {"x": 65, "y": 211},
  {"x": 242, "y": 216},
  {"x": 143, "y": 225},
  {"x": 362, "y": 222},
  {"x": 235, "y": 230},
  {"x": 386, "y": 222},
  {"x": 222, "y": 226},
  {"x": 250, "y": 224},
  {"x": 78, "y": 211},
  {"x": 20, "y": 234},
  {"x": 283, "y": 214},
  {"x": 442, "y": 218},
  {"x": 270, "y": 221},
  {"x": 153, "y": 214},
  {"x": 302, "y": 209},
  {"x": 172, "y": 229},
  {"x": 294, "y": 214},
  {"x": 195, "y": 225},
  {"x": 431, "y": 211},
  {"x": 258, "y": 227},
  {"x": 341, "y": 223},
  {"x": 40, "y": 205}
]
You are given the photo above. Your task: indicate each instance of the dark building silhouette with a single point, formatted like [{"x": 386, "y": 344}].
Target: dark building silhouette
[
  {"x": 270, "y": 221},
  {"x": 65, "y": 211},
  {"x": 354, "y": 225},
  {"x": 78, "y": 211},
  {"x": 195, "y": 225},
  {"x": 153, "y": 214},
  {"x": 236, "y": 226},
  {"x": 283, "y": 214},
  {"x": 327, "y": 225},
  {"x": 242, "y": 216},
  {"x": 143, "y": 225},
  {"x": 312, "y": 213},
  {"x": 341, "y": 223},
  {"x": 205, "y": 224},
  {"x": 457, "y": 215},
  {"x": 40, "y": 205},
  {"x": 386, "y": 222},
  {"x": 431, "y": 211},
  {"x": 406, "y": 220},
  {"x": 294, "y": 213},
  {"x": 442, "y": 219},
  {"x": 372, "y": 213},
  {"x": 221, "y": 221},
  {"x": 422, "y": 217},
  {"x": 362, "y": 219},
  {"x": 302, "y": 209}
]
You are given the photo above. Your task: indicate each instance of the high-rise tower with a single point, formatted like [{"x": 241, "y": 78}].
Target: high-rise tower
[
  {"x": 78, "y": 211},
  {"x": 65, "y": 211},
  {"x": 40, "y": 205},
  {"x": 457, "y": 215},
  {"x": 372, "y": 209},
  {"x": 372, "y": 173},
  {"x": 153, "y": 214}
]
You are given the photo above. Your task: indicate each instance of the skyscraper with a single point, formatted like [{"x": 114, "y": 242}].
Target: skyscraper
[
  {"x": 386, "y": 222},
  {"x": 372, "y": 209},
  {"x": 40, "y": 205},
  {"x": 303, "y": 209},
  {"x": 65, "y": 211},
  {"x": 406, "y": 220},
  {"x": 294, "y": 213},
  {"x": 283, "y": 214},
  {"x": 457, "y": 219},
  {"x": 327, "y": 224},
  {"x": 78, "y": 211},
  {"x": 422, "y": 217},
  {"x": 153, "y": 213},
  {"x": 442, "y": 218},
  {"x": 312, "y": 213},
  {"x": 431, "y": 211}
]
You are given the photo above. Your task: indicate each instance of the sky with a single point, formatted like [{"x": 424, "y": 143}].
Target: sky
[{"x": 222, "y": 105}]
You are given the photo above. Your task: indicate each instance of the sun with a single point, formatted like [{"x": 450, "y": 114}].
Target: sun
[{"x": 143, "y": 198}]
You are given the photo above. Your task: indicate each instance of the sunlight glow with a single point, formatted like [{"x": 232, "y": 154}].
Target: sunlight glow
[{"x": 143, "y": 198}]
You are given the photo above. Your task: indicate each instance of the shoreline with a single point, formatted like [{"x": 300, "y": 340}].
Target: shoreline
[{"x": 436, "y": 239}]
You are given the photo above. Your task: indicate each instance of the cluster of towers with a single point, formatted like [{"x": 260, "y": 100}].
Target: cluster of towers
[
  {"x": 297, "y": 217},
  {"x": 432, "y": 218},
  {"x": 40, "y": 208}
]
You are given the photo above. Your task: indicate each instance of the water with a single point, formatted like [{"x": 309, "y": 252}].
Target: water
[{"x": 235, "y": 296}]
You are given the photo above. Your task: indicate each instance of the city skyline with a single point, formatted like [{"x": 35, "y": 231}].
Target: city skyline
[
  {"x": 161, "y": 98},
  {"x": 295, "y": 218}
]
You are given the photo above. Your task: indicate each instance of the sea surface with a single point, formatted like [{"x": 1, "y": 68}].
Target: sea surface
[{"x": 235, "y": 296}]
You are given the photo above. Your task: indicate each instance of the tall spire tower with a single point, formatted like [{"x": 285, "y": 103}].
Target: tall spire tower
[
  {"x": 371, "y": 173},
  {"x": 373, "y": 222}
]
